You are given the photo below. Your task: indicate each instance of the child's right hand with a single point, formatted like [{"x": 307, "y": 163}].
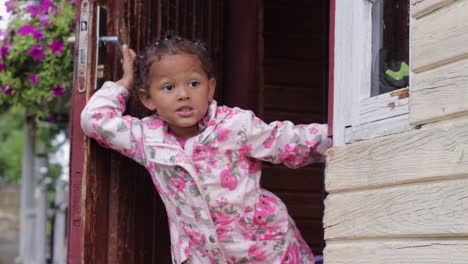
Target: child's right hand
[{"x": 127, "y": 66}]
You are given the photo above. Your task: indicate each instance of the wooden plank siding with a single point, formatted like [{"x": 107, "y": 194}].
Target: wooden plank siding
[
  {"x": 294, "y": 76},
  {"x": 425, "y": 251},
  {"x": 440, "y": 93},
  {"x": 433, "y": 153},
  {"x": 403, "y": 198},
  {"x": 429, "y": 209},
  {"x": 420, "y": 8},
  {"x": 440, "y": 86},
  {"x": 440, "y": 38}
]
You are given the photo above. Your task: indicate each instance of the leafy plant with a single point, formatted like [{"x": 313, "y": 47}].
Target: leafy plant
[
  {"x": 11, "y": 136},
  {"x": 12, "y": 140},
  {"x": 36, "y": 74},
  {"x": 36, "y": 65}
]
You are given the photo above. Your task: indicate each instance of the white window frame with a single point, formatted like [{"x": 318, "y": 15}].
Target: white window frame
[{"x": 357, "y": 115}]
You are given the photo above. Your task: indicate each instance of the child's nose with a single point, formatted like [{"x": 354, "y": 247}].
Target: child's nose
[{"x": 184, "y": 93}]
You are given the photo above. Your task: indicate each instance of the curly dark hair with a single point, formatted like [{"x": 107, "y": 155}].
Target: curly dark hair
[{"x": 169, "y": 44}]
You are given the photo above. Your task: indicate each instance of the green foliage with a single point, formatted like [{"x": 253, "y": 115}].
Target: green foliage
[
  {"x": 43, "y": 27},
  {"x": 11, "y": 140},
  {"x": 11, "y": 136}
]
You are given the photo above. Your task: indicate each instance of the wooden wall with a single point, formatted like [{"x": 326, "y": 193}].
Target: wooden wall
[
  {"x": 439, "y": 89},
  {"x": 404, "y": 198}
]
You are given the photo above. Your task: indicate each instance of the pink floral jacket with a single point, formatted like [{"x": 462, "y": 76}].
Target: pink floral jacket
[{"x": 217, "y": 211}]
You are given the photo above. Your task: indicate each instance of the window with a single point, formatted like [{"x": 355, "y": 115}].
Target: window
[
  {"x": 390, "y": 46},
  {"x": 371, "y": 75}
]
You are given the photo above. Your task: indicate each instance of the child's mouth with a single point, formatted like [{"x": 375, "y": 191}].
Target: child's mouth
[{"x": 185, "y": 111}]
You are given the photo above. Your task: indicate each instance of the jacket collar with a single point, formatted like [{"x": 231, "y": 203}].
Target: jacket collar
[{"x": 156, "y": 133}]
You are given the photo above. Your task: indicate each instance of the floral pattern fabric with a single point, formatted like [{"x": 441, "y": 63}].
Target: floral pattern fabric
[{"x": 217, "y": 211}]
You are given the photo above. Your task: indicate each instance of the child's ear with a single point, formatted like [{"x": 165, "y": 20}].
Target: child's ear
[
  {"x": 212, "y": 88},
  {"x": 145, "y": 99}
]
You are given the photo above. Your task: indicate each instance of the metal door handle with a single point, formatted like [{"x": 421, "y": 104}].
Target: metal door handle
[{"x": 116, "y": 40}]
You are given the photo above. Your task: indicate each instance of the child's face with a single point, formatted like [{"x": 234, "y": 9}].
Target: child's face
[{"x": 180, "y": 92}]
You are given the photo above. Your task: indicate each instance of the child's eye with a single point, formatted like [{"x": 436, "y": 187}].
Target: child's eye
[
  {"x": 168, "y": 87},
  {"x": 194, "y": 83}
]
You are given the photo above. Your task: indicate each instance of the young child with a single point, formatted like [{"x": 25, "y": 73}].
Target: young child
[{"x": 205, "y": 159}]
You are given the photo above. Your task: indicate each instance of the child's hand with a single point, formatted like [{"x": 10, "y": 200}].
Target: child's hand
[{"x": 127, "y": 65}]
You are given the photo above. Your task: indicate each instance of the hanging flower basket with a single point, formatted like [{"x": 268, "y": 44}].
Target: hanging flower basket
[{"x": 36, "y": 65}]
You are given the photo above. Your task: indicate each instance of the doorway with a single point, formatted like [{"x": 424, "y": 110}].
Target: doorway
[
  {"x": 272, "y": 57},
  {"x": 295, "y": 85},
  {"x": 276, "y": 64}
]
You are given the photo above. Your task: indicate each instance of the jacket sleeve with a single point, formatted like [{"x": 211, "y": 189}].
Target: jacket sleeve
[
  {"x": 285, "y": 143},
  {"x": 103, "y": 119}
]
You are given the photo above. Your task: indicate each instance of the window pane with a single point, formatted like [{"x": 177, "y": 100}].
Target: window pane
[{"x": 390, "y": 45}]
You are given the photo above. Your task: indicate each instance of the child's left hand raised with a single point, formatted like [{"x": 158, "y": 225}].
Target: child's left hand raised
[{"x": 127, "y": 66}]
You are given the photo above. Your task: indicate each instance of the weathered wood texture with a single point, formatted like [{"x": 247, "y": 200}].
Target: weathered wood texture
[
  {"x": 398, "y": 251},
  {"x": 436, "y": 152},
  {"x": 432, "y": 209},
  {"x": 439, "y": 88},
  {"x": 82, "y": 235},
  {"x": 392, "y": 125},
  {"x": 384, "y": 106},
  {"x": 420, "y": 8},
  {"x": 353, "y": 41},
  {"x": 440, "y": 38},
  {"x": 440, "y": 93}
]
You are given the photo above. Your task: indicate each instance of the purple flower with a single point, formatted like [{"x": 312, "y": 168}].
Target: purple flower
[
  {"x": 37, "y": 34},
  {"x": 46, "y": 4},
  {"x": 58, "y": 90},
  {"x": 57, "y": 47},
  {"x": 44, "y": 20},
  {"x": 2, "y": 67},
  {"x": 33, "y": 10},
  {"x": 33, "y": 78},
  {"x": 28, "y": 29},
  {"x": 5, "y": 50},
  {"x": 36, "y": 52},
  {"x": 51, "y": 118},
  {"x": 10, "y": 7},
  {"x": 6, "y": 89}
]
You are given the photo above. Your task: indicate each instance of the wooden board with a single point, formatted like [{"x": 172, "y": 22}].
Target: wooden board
[
  {"x": 423, "y": 251},
  {"x": 440, "y": 38},
  {"x": 440, "y": 93},
  {"x": 420, "y": 8},
  {"x": 433, "y": 209},
  {"x": 432, "y": 153},
  {"x": 385, "y": 127}
]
